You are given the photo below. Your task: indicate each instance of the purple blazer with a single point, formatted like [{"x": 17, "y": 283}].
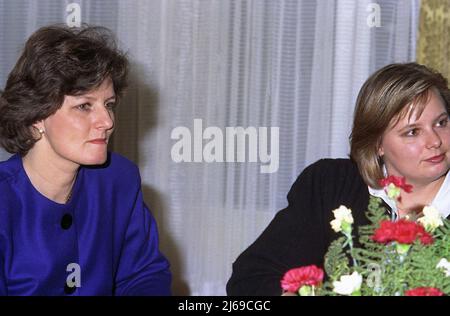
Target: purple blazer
[{"x": 104, "y": 241}]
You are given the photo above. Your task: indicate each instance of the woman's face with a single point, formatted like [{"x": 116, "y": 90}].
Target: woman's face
[
  {"x": 417, "y": 148},
  {"x": 79, "y": 131}
]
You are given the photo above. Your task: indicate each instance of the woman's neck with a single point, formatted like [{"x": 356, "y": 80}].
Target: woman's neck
[
  {"x": 421, "y": 196},
  {"x": 52, "y": 177}
]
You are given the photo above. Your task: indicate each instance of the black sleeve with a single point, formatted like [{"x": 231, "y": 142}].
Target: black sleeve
[{"x": 295, "y": 237}]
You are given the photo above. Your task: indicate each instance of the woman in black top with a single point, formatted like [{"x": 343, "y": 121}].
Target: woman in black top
[{"x": 400, "y": 128}]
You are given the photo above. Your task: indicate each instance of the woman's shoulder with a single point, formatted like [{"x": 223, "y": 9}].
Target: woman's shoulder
[
  {"x": 9, "y": 168},
  {"x": 10, "y": 177},
  {"x": 329, "y": 167},
  {"x": 120, "y": 162},
  {"x": 328, "y": 175},
  {"x": 117, "y": 168}
]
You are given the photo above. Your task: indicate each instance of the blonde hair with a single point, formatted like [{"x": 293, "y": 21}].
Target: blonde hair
[{"x": 382, "y": 101}]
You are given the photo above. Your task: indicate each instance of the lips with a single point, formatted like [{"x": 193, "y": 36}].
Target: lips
[
  {"x": 436, "y": 159},
  {"x": 98, "y": 141}
]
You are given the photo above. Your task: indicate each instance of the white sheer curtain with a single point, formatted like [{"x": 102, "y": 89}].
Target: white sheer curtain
[{"x": 296, "y": 65}]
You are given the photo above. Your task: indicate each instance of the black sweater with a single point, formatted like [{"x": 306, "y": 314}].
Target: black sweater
[{"x": 301, "y": 233}]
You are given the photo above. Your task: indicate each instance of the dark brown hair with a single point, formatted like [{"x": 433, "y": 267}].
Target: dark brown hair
[
  {"x": 382, "y": 101},
  {"x": 56, "y": 61}
]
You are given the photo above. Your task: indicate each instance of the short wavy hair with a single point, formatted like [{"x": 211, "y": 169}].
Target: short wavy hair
[
  {"x": 388, "y": 95},
  {"x": 57, "y": 60}
]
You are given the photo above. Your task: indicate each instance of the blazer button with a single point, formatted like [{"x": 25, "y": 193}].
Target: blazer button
[
  {"x": 66, "y": 221},
  {"x": 69, "y": 290}
]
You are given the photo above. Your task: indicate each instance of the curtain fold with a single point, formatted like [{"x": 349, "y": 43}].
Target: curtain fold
[{"x": 433, "y": 48}]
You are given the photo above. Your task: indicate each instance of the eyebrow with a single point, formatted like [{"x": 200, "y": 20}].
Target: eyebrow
[
  {"x": 92, "y": 98},
  {"x": 415, "y": 125}
]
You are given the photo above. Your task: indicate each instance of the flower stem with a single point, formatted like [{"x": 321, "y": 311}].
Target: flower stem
[{"x": 350, "y": 244}]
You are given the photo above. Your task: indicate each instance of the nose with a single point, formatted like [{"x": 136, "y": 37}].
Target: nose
[
  {"x": 104, "y": 118},
  {"x": 434, "y": 140}
]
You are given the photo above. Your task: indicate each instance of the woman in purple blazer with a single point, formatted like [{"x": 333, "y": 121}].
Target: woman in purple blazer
[{"x": 73, "y": 220}]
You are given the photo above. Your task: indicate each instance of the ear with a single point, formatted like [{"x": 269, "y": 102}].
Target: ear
[
  {"x": 39, "y": 127},
  {"x": 380, "y": 150}
]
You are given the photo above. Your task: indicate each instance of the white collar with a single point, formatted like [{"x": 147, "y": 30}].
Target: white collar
[
  {"x": 441, "y": 201},
  {"x": 382, "y": 195}
]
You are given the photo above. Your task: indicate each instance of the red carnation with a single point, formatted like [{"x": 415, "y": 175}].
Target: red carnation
[
  {"x": 424, "y": 291},
  {"x": 399, "y": 182},
  {"x": 402, "y": 231},
  {"x": 407, "y": 232},
  {"x": 295, "y": 278},
  {"x": 426, "y": 239},
  {"x": 385, "y": 233}
]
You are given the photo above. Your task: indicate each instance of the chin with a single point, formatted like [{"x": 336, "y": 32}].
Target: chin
[
  {"x": 94, "y": 160},
  {"x": 437, "y": 173}
]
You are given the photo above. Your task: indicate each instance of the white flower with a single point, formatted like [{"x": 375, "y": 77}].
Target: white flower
[
  {"x": 341, "y": 215},
  {"x": 348, "y": 284},
  {"x": 336, "y": 225},
  {"x": 431, "y": 219},
  {"x": 445, "y": 265}
]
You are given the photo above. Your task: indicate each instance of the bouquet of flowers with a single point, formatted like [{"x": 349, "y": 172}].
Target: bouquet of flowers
[{"x": 405, "y": 257}]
